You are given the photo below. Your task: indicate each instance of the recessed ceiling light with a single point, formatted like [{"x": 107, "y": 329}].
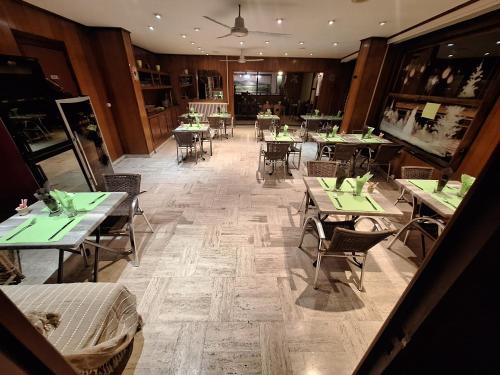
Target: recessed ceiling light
[
  {"x": 279, "y": 21},
  {"x": 331, "y": 22},
  {"x": 206, "y": 54},
  {"x": 301, "y": 43},
  {"x": 199, "y": 48},
  {"x": 486, "y": 53},
  {"x": 450, "y": 55},
  {"x": 196, "y": 29},
  {"x": 335, "y": 44},
  {"x": 498, "y": 42},
  {"x": 151, "y": 28},
  {"x": 183, "y": 36},
  {"x": 261, "y": 53},
  {"x": 286, "y": 53},
  {"x": 157, "y": 16},
  {"x": 310, "y": 54},
  {"x": 382, "y": 23},
  {"x": 450, "y": 44},
  {"x": 267, "y": 42},
  {"x": 202, "y": 51},
  {"x": 192, "y": 43},
  {"x": 241, "y": 43}
]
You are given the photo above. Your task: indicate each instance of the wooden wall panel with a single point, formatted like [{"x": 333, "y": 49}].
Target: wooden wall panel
[
  {"x": 332, "y": 95},
  {"x": 15, "y": 15},
  {"x": 484, "y": 144}
]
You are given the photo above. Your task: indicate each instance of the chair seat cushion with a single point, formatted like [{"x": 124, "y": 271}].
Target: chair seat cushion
[{"x": 98, "y": 321}]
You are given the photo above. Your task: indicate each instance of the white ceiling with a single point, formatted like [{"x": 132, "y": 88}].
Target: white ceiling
[{"x": 306, "y": 20}]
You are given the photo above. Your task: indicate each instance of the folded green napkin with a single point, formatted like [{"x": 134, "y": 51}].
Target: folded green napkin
[
  {"x": 361, "y": 181},
  {"x": 335, "y": 129},
  {"x": 316, "y": 112},
  {"x": 285, "y": 129},
  {"x": 467, "y": 182}
]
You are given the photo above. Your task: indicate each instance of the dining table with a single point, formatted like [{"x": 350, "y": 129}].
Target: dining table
[
  {"x": 41, "y": 230},
  {"x": 322, "y": 139},
  {"x": 321, "y": 117},
  {"x": 328, "y": 201},
  {"x": 268, "y": 117}
]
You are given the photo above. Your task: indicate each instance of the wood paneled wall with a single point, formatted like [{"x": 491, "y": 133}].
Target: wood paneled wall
[
  {"x": 15, "y": 15},
  {"x": 333, "y": 90}
]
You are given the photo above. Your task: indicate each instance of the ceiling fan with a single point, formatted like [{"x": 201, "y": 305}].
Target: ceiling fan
[
  {"x": 239, "y": 28},
  {"x": 242, "y": 59}
]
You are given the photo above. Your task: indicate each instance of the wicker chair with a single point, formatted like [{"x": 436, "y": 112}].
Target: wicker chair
[
  {"x": 276, "y": 151},
  {"x": 383, "y": 156},
  {"x": 345, "y": 242},
  {"x": 217, "y": 125},
  {"x": 260, "y": 126},
  {"x": 186, "y": 141},
  {"x": 131, "y": 184},
  {"x": 413, "y": 172},
  {"x": 342, "y": 153},
  {"x": 311, "y": 126}
]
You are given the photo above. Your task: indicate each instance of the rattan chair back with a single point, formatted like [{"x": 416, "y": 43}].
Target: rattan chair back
[
  {"x": 346, "y": 240},
  {"x": 264, "y": 124},
  {"x": 321, "y": 168},
  {"x": 214, "y": 122},
  {"x": 420, "y": 173},
  {"x": 385, "y": 153},
  {"x": 184, "y": 139},
  {"x": 344, "y": 152},
  {"x": 313, "y": 125},
  {"x": 277, "y": 150},
  {"x": 129, "y": 183}
]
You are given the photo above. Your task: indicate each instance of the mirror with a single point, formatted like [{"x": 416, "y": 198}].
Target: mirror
[{"x": 210, "y": 85}]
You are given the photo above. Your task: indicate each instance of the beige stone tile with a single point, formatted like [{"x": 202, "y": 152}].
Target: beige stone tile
[{"x": 274, "y": 349}]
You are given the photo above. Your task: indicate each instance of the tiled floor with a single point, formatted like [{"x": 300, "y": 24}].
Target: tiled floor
[{"x": 222, "y": 286}]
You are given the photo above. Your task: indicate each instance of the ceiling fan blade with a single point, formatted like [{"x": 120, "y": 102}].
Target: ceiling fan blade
[
  {"x": 229, "y": 60},
  {"x": 220, "y": 23},
  {"x": 224, "y": 36},
  {"x": 265, "y": 33},
  {"x": 254, "y": 59}
]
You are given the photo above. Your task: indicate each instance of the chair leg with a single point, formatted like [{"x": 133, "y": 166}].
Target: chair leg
[
  {"x": 147, "y": 221},
  {"x": 422, "y": 243},
  {"x": 135, "y": 257},
  {"x": 301, "y": 203},
  {"x": 388, "y": 171},
  {"x": 360, "y": 288},
  {"x": 19, "y": 265},
  {"x": 83, "y": 253},
  {"x": 401, "y": 196},
  {"x": 318, "y": 266}
]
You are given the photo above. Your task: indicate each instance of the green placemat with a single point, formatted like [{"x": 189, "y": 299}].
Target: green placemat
[
  {"x": 190, "y": 127},
  {"x": 337, "y": 138},
  {"x": 328, "y": 183},
  {"x": 87, "y": 201},
  {"x": 43, "y": 228},
  {"x": 282, "y": 137},
  {"x": 350, "y": 202},
  {"x": 450, "y": 200},
  {"x": 372, "y": 139},
  {"x": 429, "y": 186}
]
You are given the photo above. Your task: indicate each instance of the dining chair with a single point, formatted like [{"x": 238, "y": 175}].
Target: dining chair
[
  {"x": 129, "y": 183},
  {"x": 275, "y": 152},
  {"x": 232, "y": 126},
  {"x": 341, "y": 152},
  {"x": 383, "y": 156},
  {"x": 186, "y": 141},
  {"x": 10, "y": 267},
  {"x": 319, "y": 168},
  {"x": 216, "y": 125},
  {"x": 260, "y": 126},
  {"x": 413, "y": 172},
  {"x": 342, "y": 240},
  {"x": 312, "y": 126}
]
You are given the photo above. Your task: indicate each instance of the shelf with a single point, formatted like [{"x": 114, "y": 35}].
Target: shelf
[
  {"x": 162, "y": 87},
  {"x": 151, "y": 71},
  {"x": 437, "y": 99},
  {"x": 186, "y": 85}
]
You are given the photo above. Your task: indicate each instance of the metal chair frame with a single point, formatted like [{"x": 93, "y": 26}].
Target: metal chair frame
[
  {"x": 383, "y": 156},
  {"x": 276, "y": 151},
  {"x": 186, "y": 141},
  {"x": 335, "y": 248}
]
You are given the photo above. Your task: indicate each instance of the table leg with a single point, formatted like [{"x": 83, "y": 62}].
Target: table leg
[
  {"x": 200, "y": 138},
  {"x": 96, "y": 254},
  {"x": 60, "y": 267},
  {"x": 287, "y": 166},
  {"x": 306, "y": 207}
]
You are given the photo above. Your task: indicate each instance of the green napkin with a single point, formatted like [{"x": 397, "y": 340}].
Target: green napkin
[
  {"x": 328, "y": 183},
  {"x": 467, "y": 182},
  {"x": 369, "y": 132},
  {"x": 285, "y": 129},
  {"x": 333, "y": 134},
  {"x": 359, "y": 203},
  {"x": 42, "y": 229},
  {"x": 361, "y": 181}
]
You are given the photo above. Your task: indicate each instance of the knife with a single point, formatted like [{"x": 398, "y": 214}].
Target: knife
[
  {"x": 371, "y": 203},
  {"x": 338, "y": 202},
  {"x": 451, "y": 204},
  {"x": 33, "y": 221},
  {"x": 99, "y": 197},
  {"x": 60, "y": 229},
  {"x": 414, "y": 184},
  {"x": 328, "y": 187},
  {"x": 349, "y": 182}
]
